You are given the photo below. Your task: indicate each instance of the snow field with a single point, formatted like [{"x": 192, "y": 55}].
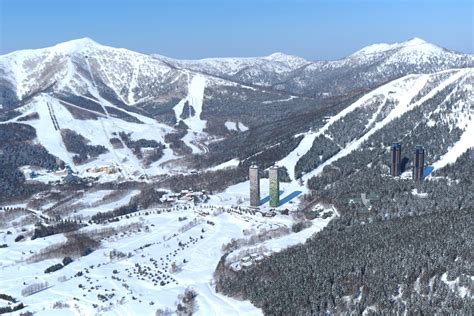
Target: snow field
[
  {"x": 98, "y": 132},
  {"x": 187, "y": 237}
]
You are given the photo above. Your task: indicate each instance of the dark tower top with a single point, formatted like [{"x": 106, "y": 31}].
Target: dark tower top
[
  {"x": 396, "y": 160},
  {"x": 419, "y": 163}
]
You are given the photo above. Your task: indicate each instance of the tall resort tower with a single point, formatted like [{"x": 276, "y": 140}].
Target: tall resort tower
[
  {"x": 419, "y": 163},
  {"x": 274, "y": 187},
  {"x": 396, "y": 162},
  {"x": 254, "y": 186}
]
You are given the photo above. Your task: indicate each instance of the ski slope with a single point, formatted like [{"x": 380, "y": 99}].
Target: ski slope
[
  {"x": 98, "y": 132},
  {"x": 196, "y": 125},
  {"x": 403, "y": 89},
  {"x": 195, "y": 97},
  {"x": 460, "y": 147}
]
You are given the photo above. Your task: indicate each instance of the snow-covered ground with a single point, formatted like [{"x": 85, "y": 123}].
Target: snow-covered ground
[
  {"x": 231, "y": 126},
  {"x": 281, "y": 100},
  {"x": 100, "y": 201},
  {"x": 228, "y": 164},
  {"x": 152, "y": 241},
  {"x": 461, "y": 146},
  {"x": 236, "y": 126},
  {"x": 454, "y": 286},
  {"x": 98, "y": 132},
  {"x": 196, "y": 125}
]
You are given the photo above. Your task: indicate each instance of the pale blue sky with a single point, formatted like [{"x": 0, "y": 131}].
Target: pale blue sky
[{"x": 319, "y": 29}]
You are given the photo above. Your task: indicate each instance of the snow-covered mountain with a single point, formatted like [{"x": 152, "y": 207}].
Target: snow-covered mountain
[
  {"x": 251, "y": 70},
  {"x": 100, "y": 92},
  {"x": 83, "y": 67},
  {"x": 364, "y": 69},
  {"x": 430, "y": 109},
  {"x": 223, "y": 109}
]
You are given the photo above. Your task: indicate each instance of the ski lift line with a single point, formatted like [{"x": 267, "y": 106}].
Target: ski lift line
[{"x": 53, "y": 117}]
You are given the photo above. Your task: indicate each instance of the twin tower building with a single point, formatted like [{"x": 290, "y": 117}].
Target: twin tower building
[
  {"x": 274, "y": 181},
  {"x": 396, "y": 170},
  {"x": 418, "y": 162}
]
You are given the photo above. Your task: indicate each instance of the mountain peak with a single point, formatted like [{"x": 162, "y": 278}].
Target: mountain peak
[
  {"x": 416, "y": 44},
  {"x": 291, "y": 60},
  {"x": 77, "y": 44},
  {"x": 84, "y": 41},
  {"x": 277, "y": 55},
  {"x": 421, "y": 46},
  {"x": 415, "y": 41}
]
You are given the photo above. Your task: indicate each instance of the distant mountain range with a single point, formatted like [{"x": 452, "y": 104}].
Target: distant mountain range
[
  {"x": 133, "y": 78},
  {"x": 206, "y": 113},
  {"x": 362, "y": 70}
]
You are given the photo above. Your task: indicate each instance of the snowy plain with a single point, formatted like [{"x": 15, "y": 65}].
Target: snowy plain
[{"x": 190, "y": 236}]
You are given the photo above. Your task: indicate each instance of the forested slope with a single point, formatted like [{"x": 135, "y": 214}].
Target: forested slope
[{"x": 410, "y": 253}]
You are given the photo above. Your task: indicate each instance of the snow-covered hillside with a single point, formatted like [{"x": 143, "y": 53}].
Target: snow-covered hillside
[
  {"x": 99, "y": 132},
  {"x": 375, "y": 110},
  {"x": 99, "y": 92},
  {"x": 75, "y": 65},
  {"x": 134, "y": 78},
  {"x": 414, "y": 47},
  {"x": 251, "y": 70}
]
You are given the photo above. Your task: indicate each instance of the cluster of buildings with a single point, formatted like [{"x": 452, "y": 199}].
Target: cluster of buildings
[
  {"x": 250, "y": 260},
  {"x": 363, "y": 202},
  {"x": 274, "y": 181},
  {"x": 66, "y": 175},
  {"x": 418, "y": 162},
  {"x": 185, "y": 196},
  {"x": 109, "y": 169}
]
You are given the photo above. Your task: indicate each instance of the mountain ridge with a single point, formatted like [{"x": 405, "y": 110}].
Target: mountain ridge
[
  {"x": 204, "y": 114},
  {"x": 87, "y": 41},
  {"x": 286, "y": 73}
]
